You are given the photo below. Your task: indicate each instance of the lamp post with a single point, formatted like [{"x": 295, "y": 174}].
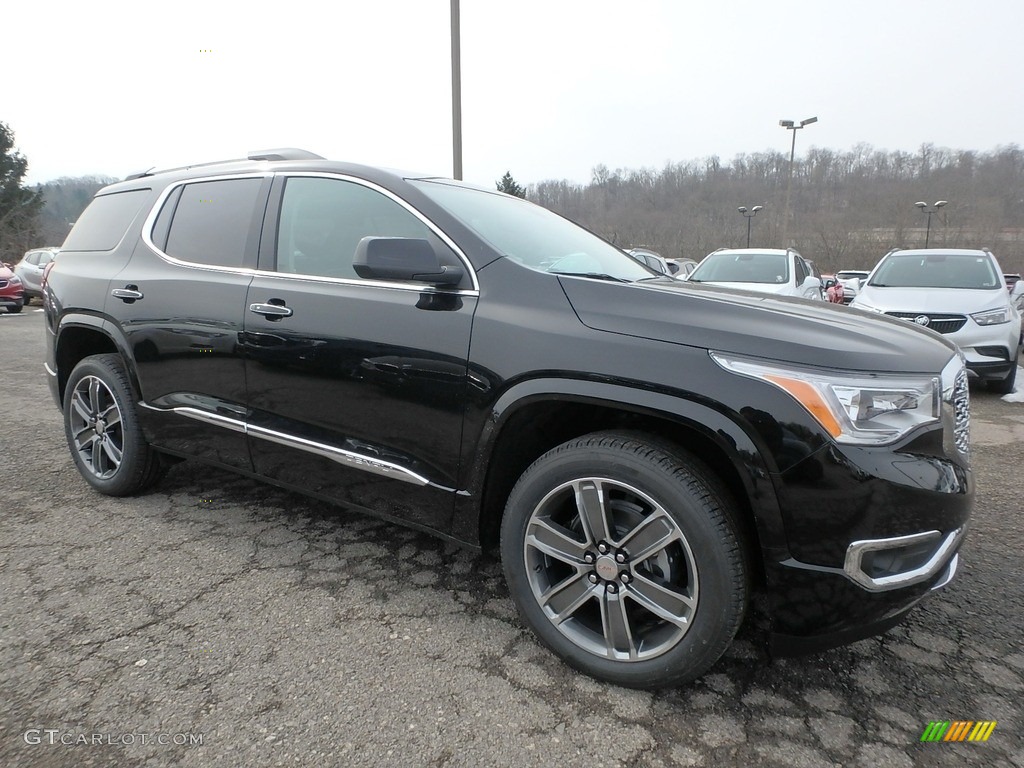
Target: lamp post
[
  {"x": 748, "y": 215},
  {"x": 456, "y": 92},
  {"x": 791, "y": 125},
  {"x": 929, "y": 211}
]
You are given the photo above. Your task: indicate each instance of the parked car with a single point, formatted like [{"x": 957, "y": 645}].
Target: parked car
[
  {"x": 12, "y": 295},
  {"x": 1011, "y": 280},
  {"x": 833, "y": 289},
  {"x": 958, "y": 293},
  {"x": 30, "y": 270},
  {"x": 641, "y": 452},
  {"x": 765, "y": 270},
  {"x": 654, "y": 261},
  {"x": 851, "y": 280},
  {"x": 686, "y": 267}
]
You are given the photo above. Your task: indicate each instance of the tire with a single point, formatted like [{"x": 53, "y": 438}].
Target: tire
[
  {"x": 15, "y": 308},
  {"x": 652, "y": 618},
  {"x": 102, "y": 429},
  {"x": 1005, "y": 386}
]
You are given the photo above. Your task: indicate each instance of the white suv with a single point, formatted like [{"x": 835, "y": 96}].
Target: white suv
[{"x": 959, "y": 293}]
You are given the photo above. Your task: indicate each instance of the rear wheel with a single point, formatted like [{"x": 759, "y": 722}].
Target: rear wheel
[
  {"x": 623, "y": 556},
  {"x": 102, "y": 428}
]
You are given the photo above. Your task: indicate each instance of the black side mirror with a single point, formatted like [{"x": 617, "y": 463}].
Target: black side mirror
[{"x": 403, "y": 258}]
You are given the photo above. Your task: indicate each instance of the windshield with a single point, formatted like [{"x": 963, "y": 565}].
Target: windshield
[
  {"x": 937, "y": 270},
  {"x": 746, "y": 267},
  {"x": 532, "y": 235},
  {"x": 848, "y": 274}
]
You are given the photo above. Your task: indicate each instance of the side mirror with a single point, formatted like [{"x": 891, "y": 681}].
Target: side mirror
[
  {"x": 403, "y": 258},
  {"x": 1017, "y": 289},
  {"x": 812, "y": 282}
]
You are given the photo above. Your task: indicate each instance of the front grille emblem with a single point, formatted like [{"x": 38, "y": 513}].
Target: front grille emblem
[{"x": 922, "y": 320}]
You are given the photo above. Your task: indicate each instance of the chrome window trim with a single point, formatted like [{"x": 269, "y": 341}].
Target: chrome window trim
[
  {"x": 938, "y": 560},
  {"x": 147, "y": 229},
  {"x": 341, "y": 456}
]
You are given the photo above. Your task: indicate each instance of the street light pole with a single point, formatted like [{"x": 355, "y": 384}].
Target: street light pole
[
  {"x": 748, "y": 215},
  {"x": 456, "y": 94},
  {"x": 929, "y": 211},
  {"x": 791, "y": 125}
]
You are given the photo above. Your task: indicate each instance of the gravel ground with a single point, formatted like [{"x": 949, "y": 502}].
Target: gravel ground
[{"x": 220, "y": 622}]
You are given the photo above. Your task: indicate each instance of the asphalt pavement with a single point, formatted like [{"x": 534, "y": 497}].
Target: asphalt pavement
[{"x": 220, "y": 622}]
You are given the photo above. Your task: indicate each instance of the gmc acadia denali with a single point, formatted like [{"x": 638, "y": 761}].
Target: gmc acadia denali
[{"x": 643, "y": 452}]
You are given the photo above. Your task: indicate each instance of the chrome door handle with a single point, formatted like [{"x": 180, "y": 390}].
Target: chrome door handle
[
  {"x": 271, "y": 311},
  {"x": 128, "y": 294}
]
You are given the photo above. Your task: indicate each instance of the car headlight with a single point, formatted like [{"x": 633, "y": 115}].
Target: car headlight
[
  {"x": 992, "y": 316},
  {"x": 857, "y": 409}
]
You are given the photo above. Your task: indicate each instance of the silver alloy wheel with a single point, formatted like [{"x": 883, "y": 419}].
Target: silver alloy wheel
[
  {"x": 96, "y": 427},
  {"x": 611, "y": 569}
]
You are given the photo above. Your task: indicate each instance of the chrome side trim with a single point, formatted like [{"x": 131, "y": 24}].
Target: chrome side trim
[
  {"x": 856, "y": 551},
  {"x": 347, "y": 458},
  {"x": 235, "y": 425},
  {"x": 339, "y": 455},
  {"x": 49, "y": 370},
  {"x": 147, "y": 229}
]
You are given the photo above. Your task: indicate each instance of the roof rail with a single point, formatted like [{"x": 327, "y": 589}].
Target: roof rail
[{"x": 283, "y": 153}]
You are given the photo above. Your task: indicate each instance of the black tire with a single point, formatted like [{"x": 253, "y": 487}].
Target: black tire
[
  {"x": 102, "y": 429},
  {"x": 14, "y": 308},
  {"x": 665, "y": 611},
  {"x": 27, "y": 301},
  {"x": 1005, "y": 386}
]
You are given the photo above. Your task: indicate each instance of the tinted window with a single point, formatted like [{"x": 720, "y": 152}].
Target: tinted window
[
  {"x": 212, "y": 221},
  {"x": 802, "y": 271},
  {"x": 102, "y": 225},
  {"x": 323, "y": 220}
]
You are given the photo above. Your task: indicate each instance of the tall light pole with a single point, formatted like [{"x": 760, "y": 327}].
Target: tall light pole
[
  {"x": 456, "y": 95},
  {"x": 790, "y": 125},
  {"x": 748, "y": 215},
  {"x": 929, "y": 211}
]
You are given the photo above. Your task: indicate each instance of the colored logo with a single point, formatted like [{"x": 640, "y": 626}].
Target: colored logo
[{"x": 958, "y": 730}]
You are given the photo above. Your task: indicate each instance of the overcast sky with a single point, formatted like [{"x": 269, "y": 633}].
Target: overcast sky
[{"x": 550, "y": 88}]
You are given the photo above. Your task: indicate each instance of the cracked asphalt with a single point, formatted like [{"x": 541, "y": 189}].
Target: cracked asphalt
[{"x": 280, "y": 631}]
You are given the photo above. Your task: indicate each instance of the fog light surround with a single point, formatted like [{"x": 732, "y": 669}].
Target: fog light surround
[{"x": 883, "y": 564}]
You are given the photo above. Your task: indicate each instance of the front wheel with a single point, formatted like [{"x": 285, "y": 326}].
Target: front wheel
[
  {"x": 623, "y": 556},
  {"x": 15, "y": 308},
  {"x": 102, "y": 428},
  {"x": 1005, "y": 386}
]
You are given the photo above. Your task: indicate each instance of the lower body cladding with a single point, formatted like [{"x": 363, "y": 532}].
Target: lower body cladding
[{"x": 870, "y": 534}]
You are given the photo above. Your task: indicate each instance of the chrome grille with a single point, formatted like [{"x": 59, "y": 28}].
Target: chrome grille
[
  {"x": 937, "y": 322},
  {"x": 961, "y": 413}
]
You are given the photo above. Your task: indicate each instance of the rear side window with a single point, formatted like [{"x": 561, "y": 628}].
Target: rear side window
[
  {"x": 104, "y": 222},
  {"x": 212, "y": 221}
]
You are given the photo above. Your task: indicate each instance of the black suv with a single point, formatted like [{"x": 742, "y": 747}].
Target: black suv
[{"x": 644, "y": 452}]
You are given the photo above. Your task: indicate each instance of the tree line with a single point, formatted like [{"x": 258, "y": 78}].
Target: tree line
[{"x": 848, "y": 208}]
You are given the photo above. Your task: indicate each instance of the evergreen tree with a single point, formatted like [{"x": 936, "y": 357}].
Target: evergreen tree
[
  {"x": 19, "y": 207},
  {"x": 509, "y": 186}
]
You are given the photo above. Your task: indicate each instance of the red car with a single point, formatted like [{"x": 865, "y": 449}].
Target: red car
[{"x": 12, "y": 295}]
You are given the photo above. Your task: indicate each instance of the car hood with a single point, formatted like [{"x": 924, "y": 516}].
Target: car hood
[
  {"x": 932, "y": 300},
  {"x": 5, "y": 273},
  {"x": 777, "y": 328},
  {"x": 771, "y": 288}
]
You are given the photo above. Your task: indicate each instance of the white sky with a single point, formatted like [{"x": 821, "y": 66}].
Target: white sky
[{"x": 550, "y": 88}]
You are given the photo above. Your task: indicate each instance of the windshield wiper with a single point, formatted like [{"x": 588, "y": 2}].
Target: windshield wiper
[{"x": 594, "y": 275}]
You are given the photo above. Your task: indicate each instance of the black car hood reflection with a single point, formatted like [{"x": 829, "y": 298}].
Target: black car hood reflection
[{"x": 780, "y": 328}]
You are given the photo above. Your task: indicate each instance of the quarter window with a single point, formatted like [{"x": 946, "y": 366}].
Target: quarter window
[
  {"x": 323, "y": 220},
  {"x": 212, "y": 222},
  {"x": 102, "y": 225}
]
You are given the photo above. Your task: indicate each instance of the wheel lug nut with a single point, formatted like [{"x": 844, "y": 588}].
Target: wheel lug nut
[
  {"x": 620, "y": 558},
  {"x": 593, "y": 578},
  {"x": 612, "y": 588},
  {"x": 602, "y": 548},
  {"x": 625, "y": 578},
  {"x": 588, "y": 557}
]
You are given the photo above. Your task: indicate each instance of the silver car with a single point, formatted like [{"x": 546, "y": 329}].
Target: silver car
[
  {"x": 959, "y": 293},
  {"x": 30, "y": 270}
]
